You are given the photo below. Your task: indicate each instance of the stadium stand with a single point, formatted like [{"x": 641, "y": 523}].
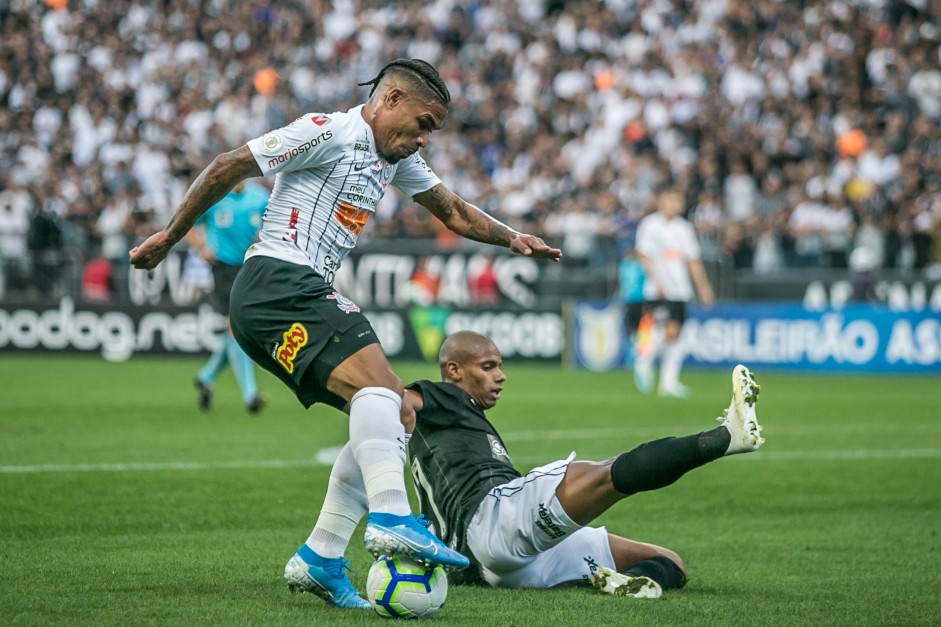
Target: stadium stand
[{"x": 806, "y": 134}]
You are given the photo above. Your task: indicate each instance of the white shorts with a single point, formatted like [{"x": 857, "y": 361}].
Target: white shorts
[{"x": 522, "y": 538}]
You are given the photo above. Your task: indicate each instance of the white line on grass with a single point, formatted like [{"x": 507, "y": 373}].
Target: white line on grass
[{"x": 325, "y": 457}]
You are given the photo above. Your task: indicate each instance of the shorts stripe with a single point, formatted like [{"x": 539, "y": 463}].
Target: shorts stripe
[{"x": 533, "y": 475}]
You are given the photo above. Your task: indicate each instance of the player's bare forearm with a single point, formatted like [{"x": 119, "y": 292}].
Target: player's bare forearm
[
  {"x": 474, "y": 223},
  {"x": 464, "y": 218},
  {"x": 210, "y": 186},
  {"x": 703, "y": 287}
]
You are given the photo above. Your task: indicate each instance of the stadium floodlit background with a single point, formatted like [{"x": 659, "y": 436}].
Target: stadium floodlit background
[{"x": 807, "y": 138}]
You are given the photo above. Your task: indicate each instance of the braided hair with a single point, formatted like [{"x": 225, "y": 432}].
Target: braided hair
[{"x": 417, "y": 72}]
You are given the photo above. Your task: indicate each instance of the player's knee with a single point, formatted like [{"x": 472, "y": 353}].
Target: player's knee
[
  {"x": 666, "y": 571},
  {"x": 671, "y": 331},
  {"x": 674, "y": 557},
  {"x": 379, "y": 392},
  {"x": 390, "y": 381}
]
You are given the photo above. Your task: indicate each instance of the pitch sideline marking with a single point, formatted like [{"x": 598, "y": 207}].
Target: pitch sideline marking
[{"x": 326, "y": 456}]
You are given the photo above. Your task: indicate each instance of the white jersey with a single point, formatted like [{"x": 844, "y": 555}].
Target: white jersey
[
  {"x": 330, "y": 179},
  {"x": 669, "y": 245}
]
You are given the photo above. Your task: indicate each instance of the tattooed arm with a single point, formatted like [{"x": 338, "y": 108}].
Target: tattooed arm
[
  {"x": 213, "y": 183},
  {"x": 473, "y": 223}
]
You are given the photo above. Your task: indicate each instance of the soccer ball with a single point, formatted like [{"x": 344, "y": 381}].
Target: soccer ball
[{"x": 398, "y": 587}]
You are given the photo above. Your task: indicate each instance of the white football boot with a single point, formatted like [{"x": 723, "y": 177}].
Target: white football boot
[
  {"x": 618, "y": 584},
  {"x": 740, "y": 418}
]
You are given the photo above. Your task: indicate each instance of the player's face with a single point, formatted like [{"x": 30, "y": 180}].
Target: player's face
[
  {"x": 670, "y": 204},
  {"x": 404, "y": 124},
  {"x": 482, "y": 378}
]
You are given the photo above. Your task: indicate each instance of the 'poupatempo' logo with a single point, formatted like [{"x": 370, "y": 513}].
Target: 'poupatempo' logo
[{"x": 293, "y": 340}]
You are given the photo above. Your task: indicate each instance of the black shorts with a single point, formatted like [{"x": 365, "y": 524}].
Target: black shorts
[
  {"x": 663, "y": 310},
  {"x": 223, "y": 277},
  {"x": 296, "y": 326},
  {"x": 633, "y": 312}
]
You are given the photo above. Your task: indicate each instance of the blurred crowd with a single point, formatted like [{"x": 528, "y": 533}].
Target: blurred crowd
[{"x": 805, "y": 134}]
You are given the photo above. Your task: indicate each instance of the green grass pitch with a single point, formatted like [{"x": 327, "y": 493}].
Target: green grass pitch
[{"x": 121, "y": 504}]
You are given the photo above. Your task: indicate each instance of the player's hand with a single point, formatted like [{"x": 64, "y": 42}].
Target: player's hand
[
  {"x": 154, "y": 250},
  {"x": 533, "y": 246},
  {"x": 707, "y": 299}
]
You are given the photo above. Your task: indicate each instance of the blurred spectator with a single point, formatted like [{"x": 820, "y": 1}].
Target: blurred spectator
[
  {"x": 113, "y": 227},
  {"x": 44, "y": 241},
  {"x": 806, "y": 227},
  {"x": 768, "y": 257},
  {"x": 925, "y": 220},
  {"x": 97, "y": 280},
  {"x": 740, "y": 192},
  {"x": 708, "y": 218},
  {"x": 14, "y": 228},
  {"x": 925, "y": 85},
  {"x": 482, "y": 281},
  {"x": 836, "y": 230},
  {"x": 423, "y": 285}
]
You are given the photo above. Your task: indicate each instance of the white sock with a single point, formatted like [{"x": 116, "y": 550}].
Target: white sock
[
  {"x": 673, "y": 355},
  {"x": 377, "y": 438},
  {"x": 343, "y": 507}
]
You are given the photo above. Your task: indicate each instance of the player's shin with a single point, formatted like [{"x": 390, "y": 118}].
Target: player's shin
[
  {"x": 377, "y": 438},
  {"x": 217, "y": 361},
  {"x": 670, "y": 365},
  {"x": 243, "y": 368},
  {"x": 659, "y": 463},
  {"x": 343, "y": 507}
]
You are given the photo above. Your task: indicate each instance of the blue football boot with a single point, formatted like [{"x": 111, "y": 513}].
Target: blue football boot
[
  {"x": 387, "y": 534},
  {"x": 325, "y": 577}
]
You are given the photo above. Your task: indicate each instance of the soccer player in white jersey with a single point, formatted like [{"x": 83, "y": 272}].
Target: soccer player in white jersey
[
  {"x": 669, "y": 251},
  {"x": 332, "y": 169}
]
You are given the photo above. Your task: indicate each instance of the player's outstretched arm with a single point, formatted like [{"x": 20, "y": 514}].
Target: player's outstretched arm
[
  {"x": 473, "y": 223},
  {"x": 219, "y": 177}
]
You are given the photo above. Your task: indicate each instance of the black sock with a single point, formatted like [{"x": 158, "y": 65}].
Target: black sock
[
  {"x": 661, "y": 569},
  {"x": 659, "y": 463}
]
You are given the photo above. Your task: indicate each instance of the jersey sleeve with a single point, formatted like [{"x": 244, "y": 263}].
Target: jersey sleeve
[
  {"x": 413, "y": 176},
  {"x": 307, "y": 142},
  {"x": 693, "y": 251},
  {"x": 643, "y": 240},
  {"x": 434, "y": 412}
]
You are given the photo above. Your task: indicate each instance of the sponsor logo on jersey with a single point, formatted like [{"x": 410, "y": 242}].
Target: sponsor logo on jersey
[
  {"x": 546, "y": 524},
  {"x": 290, "y": 235},
  {"x": 343, "y": 303},
  {"x": 351, "y": 218},
  {"x": 271, "y": 144},
  {"x": 292, "y": 341},
  {"x": 375, "y": 165},
  {"x": 496, "y": 447},
  {"x": 303, "y": 148},
  {"x": 320, "y": 119}
]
